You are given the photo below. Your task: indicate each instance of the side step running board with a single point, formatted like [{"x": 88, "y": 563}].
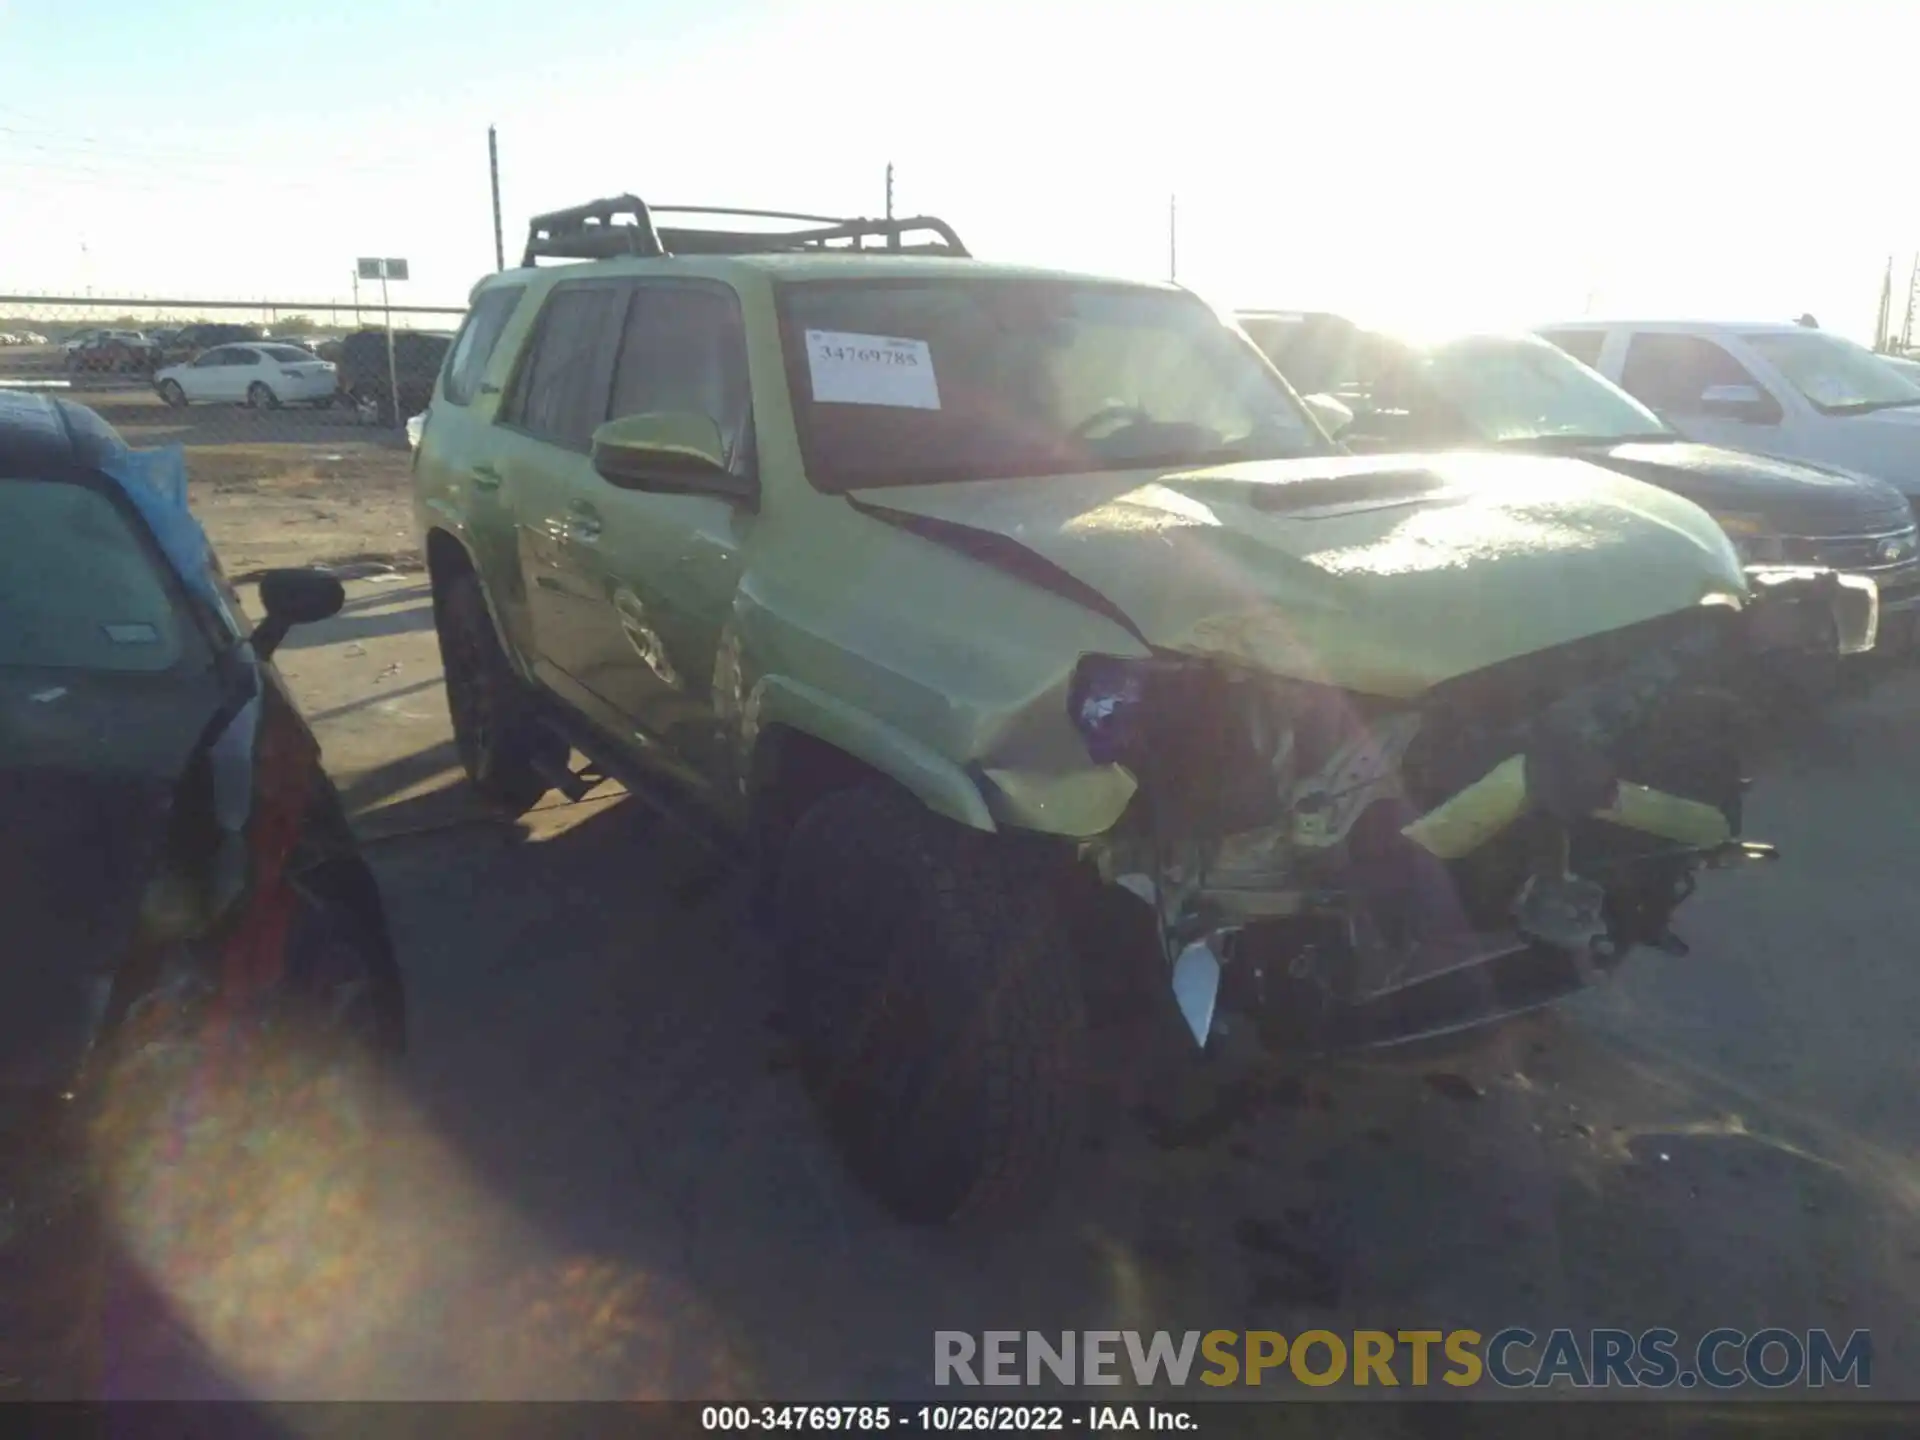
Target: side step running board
[
  {"x": 575, "y": 785},
  {"x": 605, "y": 762}
]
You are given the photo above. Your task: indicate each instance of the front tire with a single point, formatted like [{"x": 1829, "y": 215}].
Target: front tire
[
  {"x": 935, "y": 1007},
  {"x": 494, "y": 725},
  {"x": 260, "y": 396}
]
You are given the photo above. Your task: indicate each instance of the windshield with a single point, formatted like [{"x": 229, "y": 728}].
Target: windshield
[
  {"x": 78, "y": 590},
  {"x": 1837, "y": 376},
  {"x": 1518, "y": 389},
  {"x": 903, "y": 382}
]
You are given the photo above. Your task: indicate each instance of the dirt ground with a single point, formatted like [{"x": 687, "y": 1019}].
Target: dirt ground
[{"x": 609, "y": 1183}]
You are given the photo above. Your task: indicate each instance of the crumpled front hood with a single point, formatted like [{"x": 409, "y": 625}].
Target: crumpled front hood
[
  {"x": 1384, "y": 575},
  {"x": 1797, "y": 499}
]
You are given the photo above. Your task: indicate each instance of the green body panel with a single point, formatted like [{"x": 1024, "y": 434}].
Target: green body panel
[
  {"x": 689, "y": 626},
  {"x": 1388, "y": 597},
  {"x": 941, "y": 786}
]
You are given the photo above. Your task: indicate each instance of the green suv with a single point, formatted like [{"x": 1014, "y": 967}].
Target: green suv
[{"x": 1031, "y": 639}]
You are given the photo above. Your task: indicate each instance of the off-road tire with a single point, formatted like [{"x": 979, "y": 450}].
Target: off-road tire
[
  {"x": 932, "y": 998},
  {"x": 494, "y": 725}
]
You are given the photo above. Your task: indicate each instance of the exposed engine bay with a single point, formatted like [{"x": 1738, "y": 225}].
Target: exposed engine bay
[{"x": 1353, "y": 872}]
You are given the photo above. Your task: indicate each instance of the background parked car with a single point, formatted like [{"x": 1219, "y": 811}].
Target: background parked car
[
  {"x": 417, "y": 355},
  {"x": 1518, "y": 392},
  {"x": 265, "y": 376},
  {"x": 114, "y": 352},
  {"x": 190, "y": 341},
  {"x": 1778, "y": 389}
]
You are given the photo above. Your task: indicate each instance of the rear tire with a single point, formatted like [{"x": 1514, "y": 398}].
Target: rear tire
[
  {"x": 260, "y": 396},
  {"x": 173, "y": 395},
  {"x": 495, "y": 726},
  {"x": 935, "y": 1007}
]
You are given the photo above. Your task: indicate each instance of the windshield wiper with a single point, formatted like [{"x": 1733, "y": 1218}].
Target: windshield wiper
[
  {"x": 1643, "y": 437},
  {"x": 1867, "y": 407},
  {"x": 1225, "y": 455}
]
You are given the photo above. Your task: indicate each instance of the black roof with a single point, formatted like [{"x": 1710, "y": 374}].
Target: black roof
[{"x": 43, "y": 434}]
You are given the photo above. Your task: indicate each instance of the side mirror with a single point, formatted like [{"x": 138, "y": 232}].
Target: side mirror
[
  {"x": 1333, "y": 416},
  {"x": 671, "y": 452},
  {"x": 294, "y": 597},
  {"x": 1737, "y": 402}
]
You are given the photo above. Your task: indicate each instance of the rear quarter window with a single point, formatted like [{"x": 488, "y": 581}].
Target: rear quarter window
[{"x": 475, "y": 344}]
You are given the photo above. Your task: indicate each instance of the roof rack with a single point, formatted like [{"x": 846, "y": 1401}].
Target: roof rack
[{"x": 588, "y": 232}]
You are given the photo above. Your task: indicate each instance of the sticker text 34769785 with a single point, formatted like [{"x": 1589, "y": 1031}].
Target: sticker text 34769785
[{"x": 853, "y": 369}]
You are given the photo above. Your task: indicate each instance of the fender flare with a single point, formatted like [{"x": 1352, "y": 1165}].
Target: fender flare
[
  {"x": 443, "y": 525},
  {"x": 939, "y": 784}
]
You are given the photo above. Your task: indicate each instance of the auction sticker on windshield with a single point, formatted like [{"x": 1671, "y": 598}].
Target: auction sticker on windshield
[{"x": 852, "y": 369}]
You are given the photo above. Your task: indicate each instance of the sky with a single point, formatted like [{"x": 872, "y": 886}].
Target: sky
[{"x": 1479, "y": 163}]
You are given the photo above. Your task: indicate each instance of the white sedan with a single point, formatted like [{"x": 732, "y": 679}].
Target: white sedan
[{"x": 265, "y": 376}]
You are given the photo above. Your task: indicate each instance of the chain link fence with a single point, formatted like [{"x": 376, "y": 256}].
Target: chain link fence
[
  {"x": 211, "y": 373},
  {"x": 293, "y": 417}
]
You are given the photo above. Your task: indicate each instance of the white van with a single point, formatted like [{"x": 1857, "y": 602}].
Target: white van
[{"x": 1779, "y": 389}]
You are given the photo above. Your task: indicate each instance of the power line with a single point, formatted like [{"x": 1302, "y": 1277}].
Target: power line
[{"x": 90, "y": 149}]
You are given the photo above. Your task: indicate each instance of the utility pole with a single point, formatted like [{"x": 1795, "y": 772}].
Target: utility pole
[
  {"x": 889, "y": 191},
  {"x": 493, "y": 165},
  {"x": 356, "y": 299},
  {"x": 1913, "y": 309},
  {"x": 1882, "y": 336},
  {"x": 1173, "y": 238}
]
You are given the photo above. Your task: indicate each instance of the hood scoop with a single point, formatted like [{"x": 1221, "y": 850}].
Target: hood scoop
[{"x": 1327, "y": 496}]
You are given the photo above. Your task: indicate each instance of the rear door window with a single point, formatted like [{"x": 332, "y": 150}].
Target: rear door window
[
  {"x": 560, "y": 392},
  {"x": 467, "y": 360},
  {"x": 79, "y": 587}
]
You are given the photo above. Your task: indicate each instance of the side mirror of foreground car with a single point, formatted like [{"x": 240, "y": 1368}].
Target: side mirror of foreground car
[
  {"x": 294, "y": 597},
  {"x": 673, "y": 452}
]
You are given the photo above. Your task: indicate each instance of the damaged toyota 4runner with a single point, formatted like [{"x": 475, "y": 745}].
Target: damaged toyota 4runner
[{"x": 944, "y": 589}]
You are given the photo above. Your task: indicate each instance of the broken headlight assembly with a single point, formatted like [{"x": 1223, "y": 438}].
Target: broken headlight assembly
[
  {"x": 1351, "y": 870},
  {"x": 1216, "y": 751},
  {"x": 1193, "y": 734}
]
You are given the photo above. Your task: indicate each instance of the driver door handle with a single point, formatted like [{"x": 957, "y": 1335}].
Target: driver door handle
[{"x": 485, "y": 477}]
